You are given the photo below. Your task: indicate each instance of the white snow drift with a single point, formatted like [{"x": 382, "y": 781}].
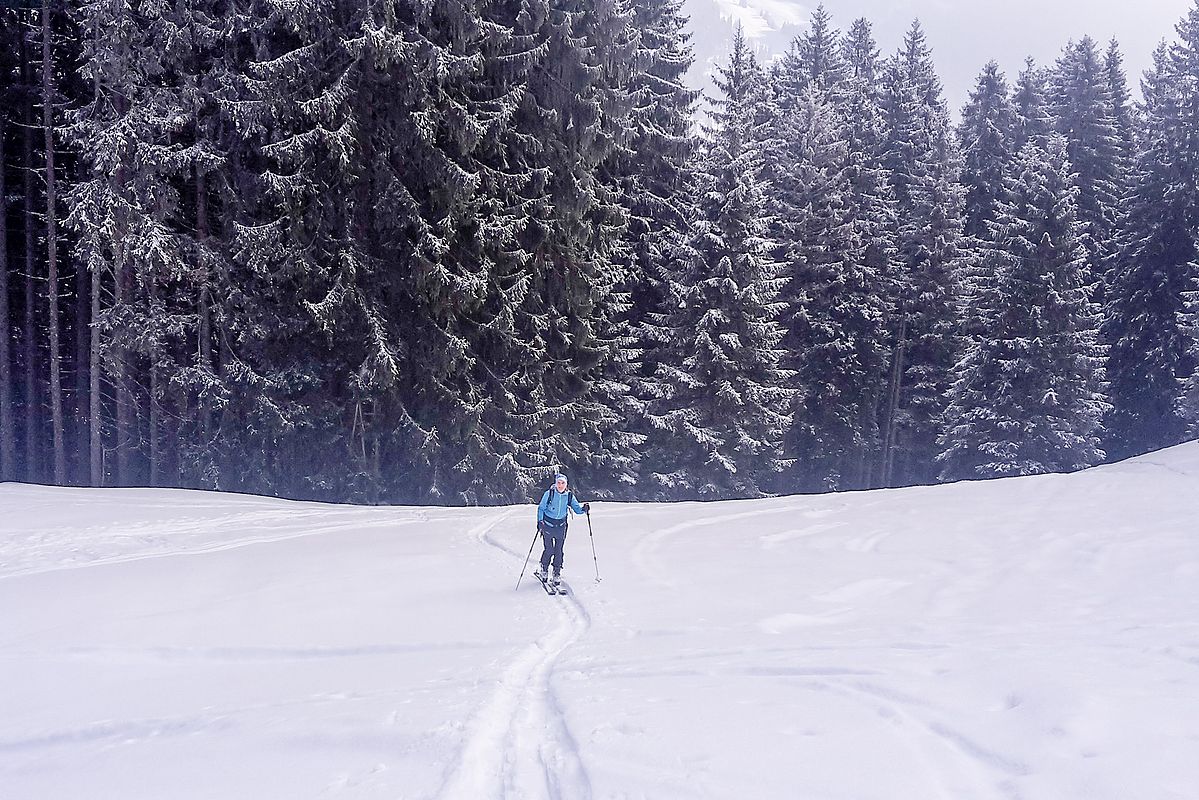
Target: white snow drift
[{"x": 1026, "y": 638}]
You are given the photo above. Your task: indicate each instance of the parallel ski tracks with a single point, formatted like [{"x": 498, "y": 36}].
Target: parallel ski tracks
[{"x": 517, "y": 744}]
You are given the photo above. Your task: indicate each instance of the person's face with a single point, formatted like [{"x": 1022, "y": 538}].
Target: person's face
[{"x": 562, "y": 484}]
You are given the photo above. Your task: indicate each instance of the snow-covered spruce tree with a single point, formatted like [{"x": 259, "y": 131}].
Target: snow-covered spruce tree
[
  {"x": 492, "y": 453},
  {"x": 1150, "y": 349},
  {"x": 660, "y": 145},
  {"x": 139, "y": 138},
  {"x": 102, "y": 204},
  {"x": 324, "y": 320},
  {"x": 302, "y": 332},
  {"x": 655, "y": 175},
  {"x": 1082, "y": 109},
  {"x": 722, "y": 408},
  {"x": 923, "y": 165},
  {"x": 835, "y": 308},
  {"x": 490, "y": 434},
  {"x": 399, "y": 226},
  {"x": 822, "y": 58},
  {"x": 418, "y": 278},
  {"x": 809, "y": 72},
  {"x": 428, "y": 241},
  {"x": 1122, "y": 113},
  {"x": 1185, "y": 58},
  {"x": 860, "y": 54},
  {"x": 827, "y": 192},
  {"x": 870, "y": 203},
  {"x": 565, "y": 374},
  {"x": 814, "y": 63},
  {"x": 1027, "y": 396},
  {"x": 1030, "y": 101},
  {"x": 870, "y": 199},
  {"x": 462, "y": 236},
  {"x": 985, "y": 136},
  {"x": 183, "y": 48},
  {"x": 200, "y": 60}
]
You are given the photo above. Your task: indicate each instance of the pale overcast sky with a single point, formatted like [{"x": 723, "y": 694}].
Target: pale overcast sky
[{"x": 964, "y": 35}]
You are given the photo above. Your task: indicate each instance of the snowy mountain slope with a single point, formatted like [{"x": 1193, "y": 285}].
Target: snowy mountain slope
[{"x": 1027, "y": 638}]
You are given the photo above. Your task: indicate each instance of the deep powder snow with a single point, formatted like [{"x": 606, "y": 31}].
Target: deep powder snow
[{"x": 1026, "y": 638}]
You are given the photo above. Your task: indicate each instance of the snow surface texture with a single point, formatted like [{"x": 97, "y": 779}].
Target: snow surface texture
[{"x": 1025, "y": 638}]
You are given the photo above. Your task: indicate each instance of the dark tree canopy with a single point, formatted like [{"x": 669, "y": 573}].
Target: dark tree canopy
[{"x": 382, "y": 251}]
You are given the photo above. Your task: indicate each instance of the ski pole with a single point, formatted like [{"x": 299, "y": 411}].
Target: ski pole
[
  {"x": 591, "y": 534},
  {"x": 530, "y": 555}
]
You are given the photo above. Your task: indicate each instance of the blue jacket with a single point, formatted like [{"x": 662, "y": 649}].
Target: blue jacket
[{"x": 553, "y": 505}]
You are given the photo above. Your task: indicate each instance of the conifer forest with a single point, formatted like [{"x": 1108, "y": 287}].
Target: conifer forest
[{"x": 431, "y": 252}]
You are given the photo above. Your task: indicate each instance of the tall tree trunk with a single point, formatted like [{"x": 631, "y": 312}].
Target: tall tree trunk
[
  {"x": 95, "y": 368},
  {"x": 204, "y": 334},
  {"x": 867, "y": 431},
  {"x": 204, "y": 326},
  {"x": 96, "y": 444},
  {"x": 83, "y": 368},
  {"x": 29, "y": 334},
  {"x": 60, "y": 473},
  {"x": 7, "y": 468},
  {"x": 155, "y": 422},
  {"x": 121, "y": 369},
  {"x": 893, "y": 397},
  {"x": 155, "y": 406},
  {"x": 119, "y": 359}
]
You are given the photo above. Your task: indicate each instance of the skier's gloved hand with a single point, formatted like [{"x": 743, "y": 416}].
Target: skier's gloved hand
[{"x": 587, "y": 508}]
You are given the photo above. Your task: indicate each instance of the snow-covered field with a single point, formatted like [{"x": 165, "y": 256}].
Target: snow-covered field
[{"x": 1027, "y": 638}]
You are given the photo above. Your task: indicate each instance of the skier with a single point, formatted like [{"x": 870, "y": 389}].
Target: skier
[{"x": 551, "y": 524}]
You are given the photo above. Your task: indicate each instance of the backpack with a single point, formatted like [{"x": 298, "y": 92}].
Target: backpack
[{"x": 569, "y": 497}]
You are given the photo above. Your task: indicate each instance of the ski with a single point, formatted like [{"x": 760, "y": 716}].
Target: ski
[{"x": 551, "y": 588}]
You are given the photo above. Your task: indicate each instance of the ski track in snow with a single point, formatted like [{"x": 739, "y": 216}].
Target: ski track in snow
[
  {"x": 945, "y": 759},
  {"x": 644, "y": 552},
  {"x": 518, "y": 745},
  {"x": 1018, "y": 640},
  {"x": 169, "y": 547}
]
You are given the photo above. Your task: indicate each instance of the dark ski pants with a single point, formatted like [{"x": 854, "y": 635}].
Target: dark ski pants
[{"x": 554, "y": 537}]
